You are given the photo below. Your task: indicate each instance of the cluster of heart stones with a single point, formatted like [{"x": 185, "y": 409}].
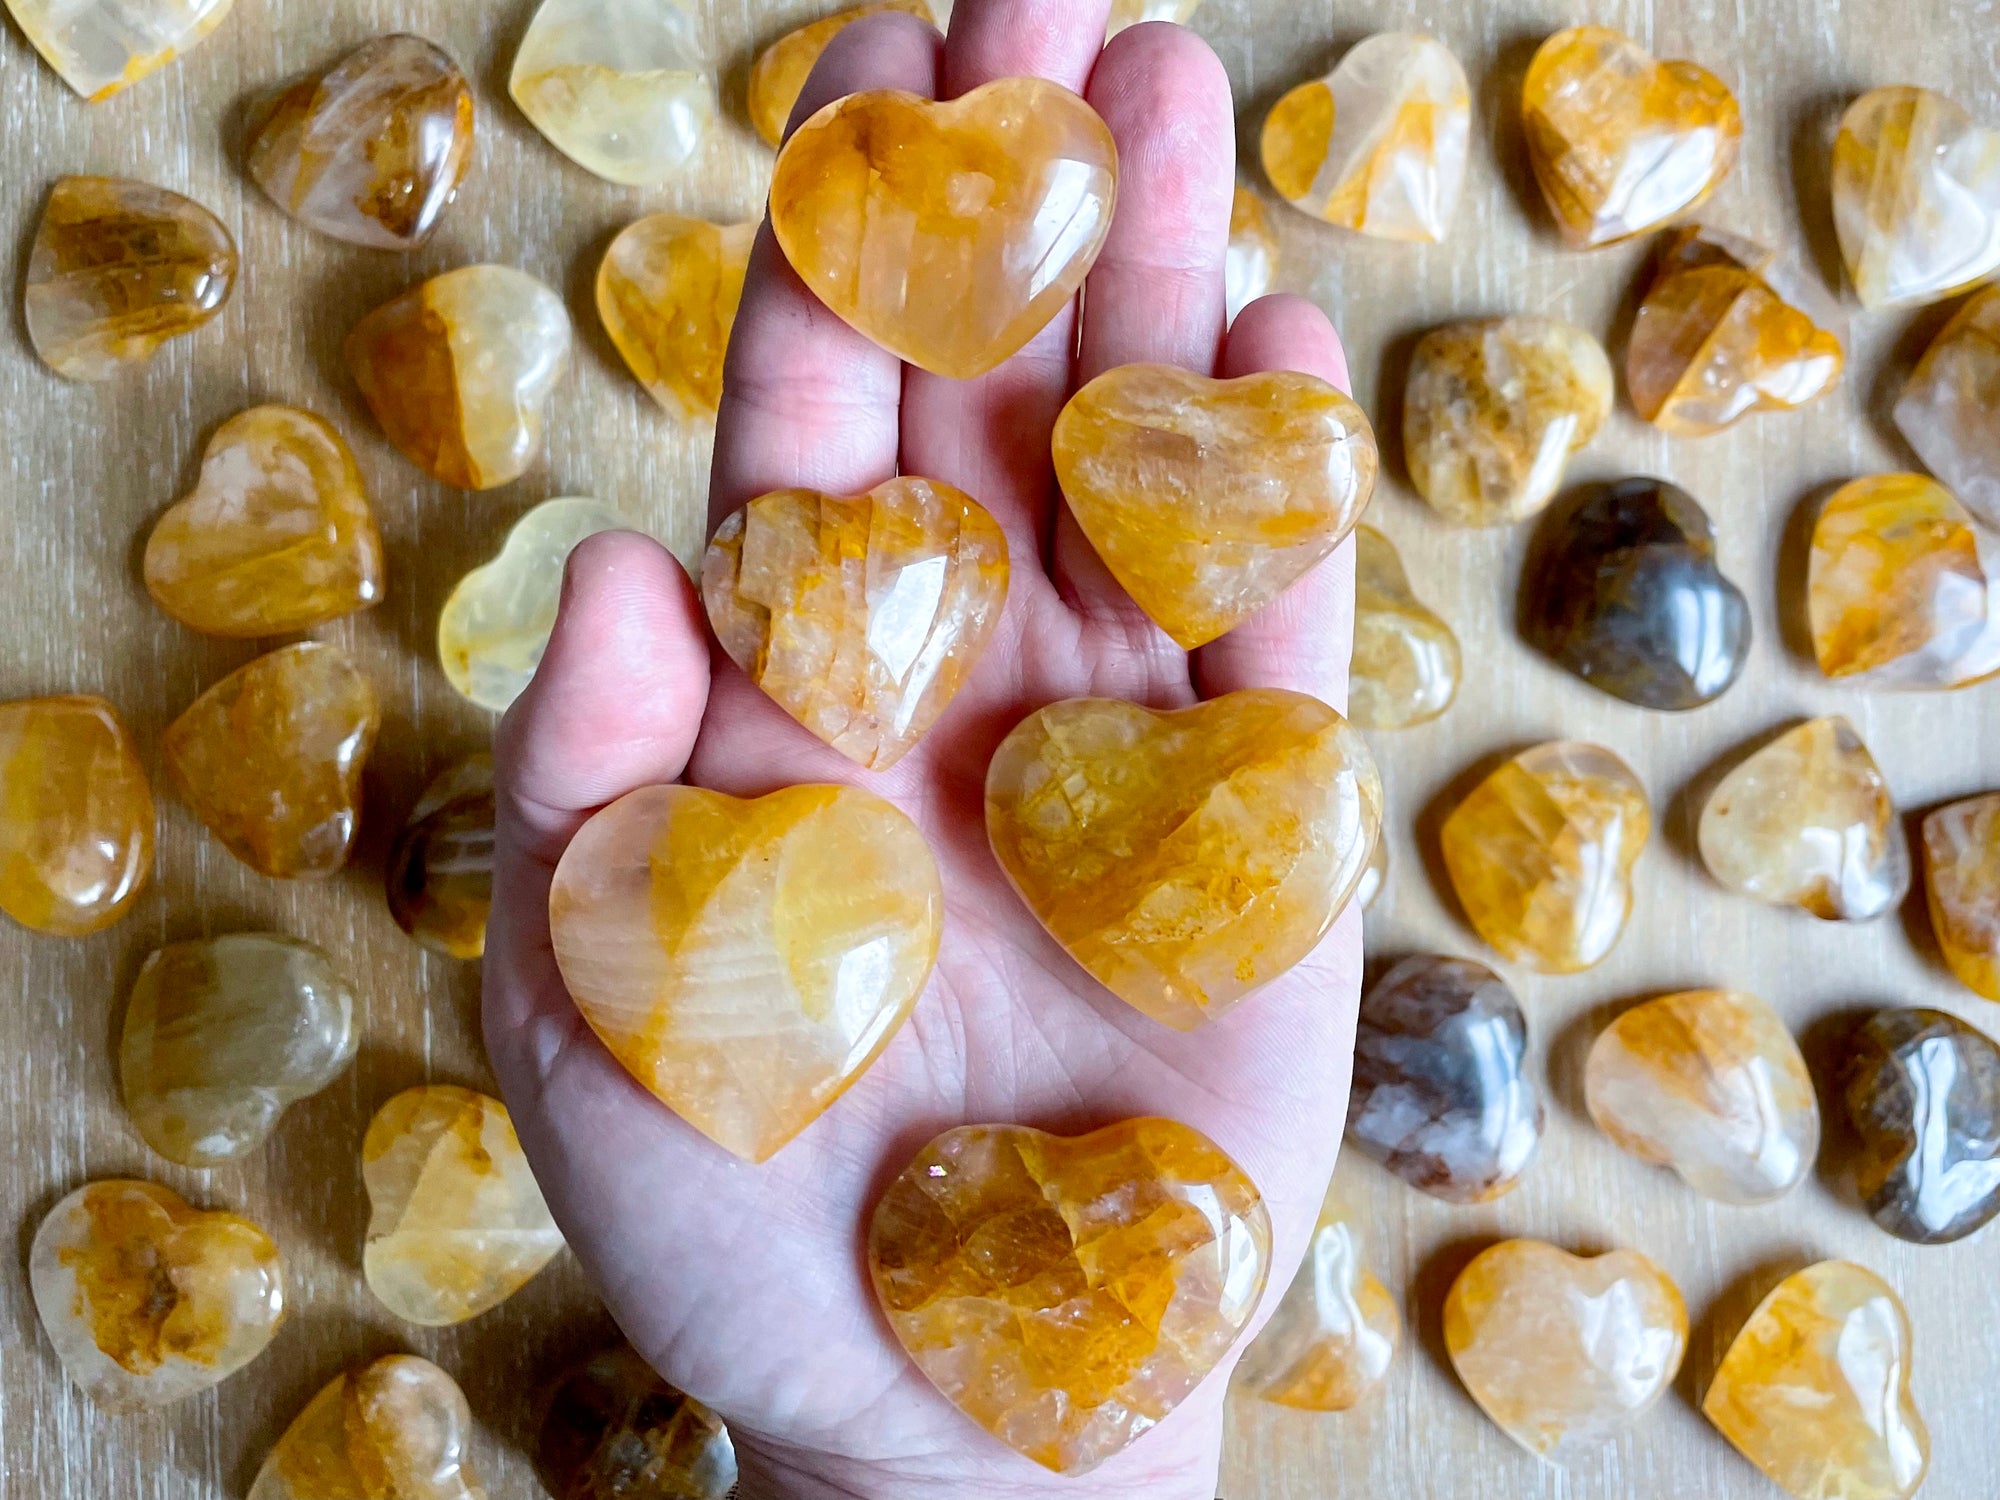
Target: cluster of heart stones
[{"x": 278, "y": 536}]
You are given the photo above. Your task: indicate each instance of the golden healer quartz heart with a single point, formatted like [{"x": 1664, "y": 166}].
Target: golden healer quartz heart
[
  {"x": 1187, "y": 858},
  {"x": 667, "y": 293},
  {"x": 1209, "y": 498},
  {"x": 440, "y": 880},
  {"x": 950, "y": 233},
  {"x": 781, "y": 70},
  {"x": 101, "y": 46},
  {"x": 396, "y": 1429},
  {"x": 1962, "y": 885},
  {"x": 860, "y": 616},
  {"x": 1407, "y": 662},
  {"x": 613, "y": 1430},
  {"x": 277, "y": 536},
  {"x": 147, "y": 1300},
  {"x": 1620, "y": 142},
  {"x": 747, "y": 961},
  {"x": 1950, "y": 410},
  {"x": 1067, "y": 1294}
]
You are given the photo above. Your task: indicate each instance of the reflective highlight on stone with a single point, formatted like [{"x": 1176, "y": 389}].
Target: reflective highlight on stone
[
  {"x": 102, "y": 46},
  {"x": 222, "y": 1037},
  {"x": 781, "y": 70},
  {"x": 1808, "y": 821},
  {"x": 1711, "y": 1084},
  {"x": 1441, "y": 1093},
  {"x": 1922, "y": 1091},
  {"x": 1209, "y": 498},
  {"x": 277, "y": 535},
  {"x": 1815, "y": 1391},
  {"x": 1185, "y": 859},
  {"x": 1564, "y": 1352},
  {"x": 372, "y": 149},
  {"x": 270, "y": 759},
  {"x": 667, "y": 293},
  {"x": 1625, "y": 591},
  {"x": 457, "y": 1224},
  {"x": 1494, "y": 409},
  {"x": 1622, "y": 143},
  {"x": 747, "y": 961},
  {"x": 497, "y": 622},
  {"x": 1406, "y": 665},
  {"x": 1380, "y": 144},
  {"x": 1916, "y": 196},
  {"x": 1950, "y": 410},
  {"x": 395, "y": 1429},
  {"x": 1376, "y": 876},
  {"x": 118, "y": 268},
  {"x": 1329, "y": 1344},
  {"x": 440, "y": 879},
  {"x": 950, "y": 233},
  {"x": 1541, "y": 855},
  {"x": 1962, "y": 885},
  {"x": 1126, "y": 13},
  {"x": 149, "y": 1301},
  {"x": 620, "y": 87},
  {"x": 458, "y": 370},
  {"x": 861, "y": 616},
  {"x": 1068, "y": 1294},
  {"x": 1903, "y": 586},
  {"x": 1251, "y": 263},
  {"x": 76, "y": 815},
  {"x": 613, "y": 1430},
  {"x": 1729, "y": 328}
]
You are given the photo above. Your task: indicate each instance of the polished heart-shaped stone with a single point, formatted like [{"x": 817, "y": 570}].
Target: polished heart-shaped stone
[
  {"x": 395, "y": 1429},
  {"x": 1209, "y": 498},
  {"x": 277, "y": 535},
  {"x": 1950, "y": 409},
  {"x": 1066, "y": 1294},
  {"x": 781, "y": 70},
  {"x": 101, "y": 46},
  {"x": 372, "y": 149},
  {"x": 950, "y": 233},
  {"x": 1962, "y": 887},
  {"x": 667, "y": 293},
  {"x": 862, "y": 615},
  {"x": 456, "y": 1222},
  {"x": 147, "y": 1300},
  {"x": 747, "y": 960},
  {"x": 613, "y": 1430},
  {"x": 458, "y": 372},
  {"x": 1619, "y": 141},
  {"x": 1815, "y": 1390},
  {"x": 1407, "y": 663},
  {"x": 1916, "y": 196},
  {"x": 1564, "y": 1351},
  {"x": 440, "y": 879},
  {"x": 1186, "y": 858}
]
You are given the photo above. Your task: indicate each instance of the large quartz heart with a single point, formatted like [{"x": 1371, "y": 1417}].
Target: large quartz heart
[
  {"x": 747, "y": 960},
  {"x": 1185, "y": 858},
  {"x": 147, "y": 1300},
  {"x": 1619, "y": 141},
  {"x": 952, "y": 232},
  {"x": 1068, "y": 1294},
  {"x": 277, "y": 535},
  {"x": 1209, "y": 498},
  {"x": 1916, "y": 196},
  {"x": 861, "y": 616}
]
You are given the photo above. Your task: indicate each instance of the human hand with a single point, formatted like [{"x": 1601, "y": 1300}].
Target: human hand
[{"x": 746, "y": 1285}]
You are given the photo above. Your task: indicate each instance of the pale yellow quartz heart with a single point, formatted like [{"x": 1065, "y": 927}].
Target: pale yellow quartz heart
[
  {"x": 747, "y": 961},
  {"x": 101, "y": 46}
]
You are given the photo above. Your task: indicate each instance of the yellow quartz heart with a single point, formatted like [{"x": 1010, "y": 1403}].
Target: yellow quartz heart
[
  {"x": 1185, "y": 858},
  {"x": 1209, "y": 498},
  {"x": 861, "y": 616},
  {"x": 949, "y": 232},
  {"x": 747, "y": 960}
]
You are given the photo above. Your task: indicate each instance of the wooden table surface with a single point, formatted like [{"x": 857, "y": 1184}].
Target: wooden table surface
[{"x": 84, "y": 469}]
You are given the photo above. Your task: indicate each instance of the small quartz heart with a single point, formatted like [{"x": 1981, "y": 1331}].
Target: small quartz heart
[
  {"x": 949, "y": 232},
  {"x": 1185, "y": 858},
  {"x": 1622, "y": 143},
  {"x": 277, "y": 535},
  {"x": 456, "y": 1221},
  {"x": 1066, "y": 1294},
  {"x": 1564, "y": 1351},
  {"x": 147, "y": 1300},
  {"x": 862, "y": 616},
  {"x": 747, "y": 960},
  {"x": 1916, "y": 196},
  {"x": 667, "y": 292},
  {"x": 397, "y": 1427},
  {"x": 1209, "y": 498}
]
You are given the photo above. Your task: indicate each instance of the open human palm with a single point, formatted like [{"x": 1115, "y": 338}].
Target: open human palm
[{"x": 747, "y": 1285}]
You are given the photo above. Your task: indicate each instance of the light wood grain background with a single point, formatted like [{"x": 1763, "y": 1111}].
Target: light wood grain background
[{"x": 84, "y": 469}]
